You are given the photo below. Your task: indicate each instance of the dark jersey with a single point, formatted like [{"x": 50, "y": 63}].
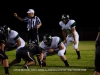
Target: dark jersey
[
  {"x": 3, "y": 38},
  {"x": 34, "y": 49}
]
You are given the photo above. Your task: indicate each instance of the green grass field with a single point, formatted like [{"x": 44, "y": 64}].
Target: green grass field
[{"x": 55, "y": 66}]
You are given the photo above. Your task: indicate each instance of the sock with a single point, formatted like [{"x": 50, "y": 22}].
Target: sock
[
  {"x": 66, "y": 63},
  {"x": 78, "y": 53},
  {"x": 65, "y": 52},
  {"x": 6, "y": 70}
]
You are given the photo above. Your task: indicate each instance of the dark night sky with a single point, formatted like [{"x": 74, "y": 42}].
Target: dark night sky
[{"x": 85, "y": 13}]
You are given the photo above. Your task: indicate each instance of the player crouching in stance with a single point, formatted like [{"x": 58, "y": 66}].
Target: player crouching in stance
[
  {"x": 27, "y": 53},
  {"x": 53, "y": 44},
  {"x": 69, "y": 33}
]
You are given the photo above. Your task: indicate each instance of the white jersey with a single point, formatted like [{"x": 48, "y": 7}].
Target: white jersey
[
  {"x": 68, "y": 26},
  {"x": 11, "y": 41},
  {"x": 56, "y": 41},
  {"x": 13, "y": 35}
]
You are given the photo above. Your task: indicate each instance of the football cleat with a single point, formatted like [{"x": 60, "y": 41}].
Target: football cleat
[
  {"x": 79, "y": 58},
  {"x": 25, "y": 66},
  {"x": 67, "y": 65}
]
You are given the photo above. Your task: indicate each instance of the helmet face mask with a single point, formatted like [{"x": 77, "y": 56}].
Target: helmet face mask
[
  {"x": 65, "y": 17},
  {"x": 6, "y": 29},
  {"x": 1, "y": 29},
  {"x": 47, "y": 39}
]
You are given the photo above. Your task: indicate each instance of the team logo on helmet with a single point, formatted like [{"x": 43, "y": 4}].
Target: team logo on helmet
[
  {"x": 65, "y": 16},
  {"x": 8, "y": 29},
  {"x": 47, "y": 38}
]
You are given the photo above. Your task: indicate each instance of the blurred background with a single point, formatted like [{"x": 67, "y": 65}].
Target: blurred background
[{"x": 86, "y": 14}]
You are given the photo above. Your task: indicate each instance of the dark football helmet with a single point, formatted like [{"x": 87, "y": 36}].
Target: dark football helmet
[
  {"x": 65, "y": 16},
  {"x": 7, "y": 29},
  {"x": 1, "y": 29},
  {"x": 47, "y": 39}
]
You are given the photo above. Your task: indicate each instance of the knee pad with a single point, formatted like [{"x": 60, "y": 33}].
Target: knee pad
[
  {"x": 60, "y": 53},
  {"x": 45, "y": 54}
]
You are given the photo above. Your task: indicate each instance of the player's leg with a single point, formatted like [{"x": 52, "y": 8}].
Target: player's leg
[
  {"x": 63, "y": 57},
  {"x": 12, "y": 63},
  {"x": 77, "y": 50},
  {"x": 4, "y": 57},
  {"x": 18, "y": 58},
  {"x": 44, "y": 59},
  {"x": 76, "y": 46},
  {"x": 68, "y": 40},
  {"x": 29, "y": 58},
  {"x": 6, "y": 66},
  {"x": 21, "y": 46}
]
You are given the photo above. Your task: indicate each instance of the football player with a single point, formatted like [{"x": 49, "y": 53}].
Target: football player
[
  {"x": 14, "y": 35},
  {"x": 51, "y": 45},
  {"x": 69, "y": 32},
  {"x": 10, "y": 45},
  {"x": 3, "y": 56},
  {"x": 27, "y": 53}
]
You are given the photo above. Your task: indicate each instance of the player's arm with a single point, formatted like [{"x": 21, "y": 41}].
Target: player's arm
[
  {"x": 73, "y": 31},
  {"x": 3, "y": 42},
  {"x": 64, "y": 34},
  {"x": 40, "y": 55},
  {"x": 98, "y": 34},
  {"x": 97, "y": 39},
  {"x": 40, "y": 58},
  {"x": 60, "y": 45},
  {"x": 3, "y": 45},
  {"x": 17, "y": 40}
]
